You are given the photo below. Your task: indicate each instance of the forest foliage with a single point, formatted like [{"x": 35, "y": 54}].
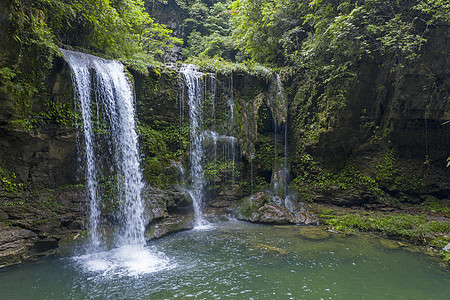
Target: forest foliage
[
  {"x": 33, "y": 30},
  {"x": 308, "y": 32},
  {"x": 325, "y": 42}
]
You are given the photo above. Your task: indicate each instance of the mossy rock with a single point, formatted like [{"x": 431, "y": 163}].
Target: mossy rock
[
  {"x": 247, "y": 208},
  {"x": 389, "y": 244},
  {"x": 313, "y": 232},
  {"x": 271, "y": 249}
]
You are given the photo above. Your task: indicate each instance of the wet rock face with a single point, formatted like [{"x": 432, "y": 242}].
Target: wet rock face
[
  {"x": 270, "y": 213},
  {"x": 341, "y": 197},
  {"x": 14, "y": 243},
  {"x": 172, "y": 224},
  {"x": 39, "y": 201},
  {"x": 32, "y": 224},
  {"x": 36, "y": 158},
  {"x": 389, "y": 109},
  {"x": 161, "y": 203}
]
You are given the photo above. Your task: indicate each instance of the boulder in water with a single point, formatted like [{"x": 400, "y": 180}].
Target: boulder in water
[
  {"x": 261, "y": 209},
  {"x": 169, "y": 225}
]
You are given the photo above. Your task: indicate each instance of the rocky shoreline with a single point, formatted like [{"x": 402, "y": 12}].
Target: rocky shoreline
[{"x": 55, "y": 221}]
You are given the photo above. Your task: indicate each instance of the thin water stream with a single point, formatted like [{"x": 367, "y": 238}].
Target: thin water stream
[{"x": 237, "y": 260}]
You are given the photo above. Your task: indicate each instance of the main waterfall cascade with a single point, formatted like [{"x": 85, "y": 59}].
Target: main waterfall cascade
[{"x": 109, "y": 144}]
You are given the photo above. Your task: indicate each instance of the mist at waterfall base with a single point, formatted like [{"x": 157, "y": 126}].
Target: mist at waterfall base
[
  {"x": 240, "y": 260},
  {"x": 106, "y": 105}
]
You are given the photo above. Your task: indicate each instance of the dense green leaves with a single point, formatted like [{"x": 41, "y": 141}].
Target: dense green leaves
[
  {"x": 300, "y": 31},
  {"x": 117, "y": 29},
  {"x": 208, "y": 30},
  {"x": 122, "y": 29}
]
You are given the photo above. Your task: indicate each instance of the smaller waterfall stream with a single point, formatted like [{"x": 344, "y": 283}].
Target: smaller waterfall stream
[
  {"x": 283, "y": 100},
  {"x": 280, "y": 170},
  {"x": 231, "y": 128},
  {"x": 212, "y": 144},
  {"x": 192, "y": 79}
]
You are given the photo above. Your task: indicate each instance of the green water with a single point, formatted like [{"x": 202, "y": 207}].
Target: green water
[{"x": 237, "y": 260}]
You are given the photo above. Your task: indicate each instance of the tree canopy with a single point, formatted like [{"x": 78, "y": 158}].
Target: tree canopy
[
  {"x": 117, "y": 29},
  {"x": 299, "y": 31}
]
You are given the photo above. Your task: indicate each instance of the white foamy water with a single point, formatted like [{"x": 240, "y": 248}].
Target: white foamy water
[
  {"x": 130, "y": 260},
  {"x": 204, "y": 226}
]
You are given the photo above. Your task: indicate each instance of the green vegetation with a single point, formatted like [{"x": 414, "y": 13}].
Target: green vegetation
[
  {"x": 333, "y": 34},
  {"x": 323, "y": 47},
  {"x": 225, "y": 67},
  {"x": 437, "y": 205},
  {"x": 375, "y": 182},
  {"x": 110, "y": 188},
  {"x": 35, "y": 29},
  {"x": 208, "y": 28},
  {"x": 251, "y": 204},
  {"x": 417, "y": 229},
  {"x": 9, "y": 183},
  {"x": 164, "y": 146}
]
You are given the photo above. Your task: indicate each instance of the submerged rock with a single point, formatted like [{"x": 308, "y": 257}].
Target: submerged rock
[
  {"x": 271, "y": 249},
  {"x": 313, "y": 232},
  {"x": 390, "y": 244}
]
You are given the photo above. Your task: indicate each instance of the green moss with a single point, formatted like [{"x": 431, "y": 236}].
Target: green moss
[
  {"x": 380, "y": 180},
  {"x": 412, "y": 228},
  {"x": 437, "y": 205},
  {"x": 163, "y": 145},
  {"x": 158, "y": 172},
  {"x": 110, "y": 188},
  {"x": 22, "y": 124},
  {"x": 313, "y": 178},
  {"x": 50, "y": 205},
  {"x": 9, "y": 182},
  {"x": 13, "y": 203},
  {"x": 265, "y": 153},
  {"x": 445, "y": 256},
  {"x": 220, "y": 66},
  {"x": 59, "y": 113},
  {"x": 251, "y": 204}
]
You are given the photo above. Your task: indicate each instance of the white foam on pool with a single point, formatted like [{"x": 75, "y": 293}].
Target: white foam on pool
[
  {"x": 204, "y": 226},
  {"x": 125, "y": 261}
]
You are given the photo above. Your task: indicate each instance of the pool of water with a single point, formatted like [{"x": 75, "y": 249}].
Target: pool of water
[{"x": 236, "y": 260}]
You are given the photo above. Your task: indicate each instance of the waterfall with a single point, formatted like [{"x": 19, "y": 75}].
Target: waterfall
[
  {"x": 285, "y": 168},
  {"x": 280, "y": 170},
  {"x": 210, "y": 141},
  {"x": 112, "y": 133},
  {"x": 231, "y": 127},
  {"x": 192, "y": 80}
]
